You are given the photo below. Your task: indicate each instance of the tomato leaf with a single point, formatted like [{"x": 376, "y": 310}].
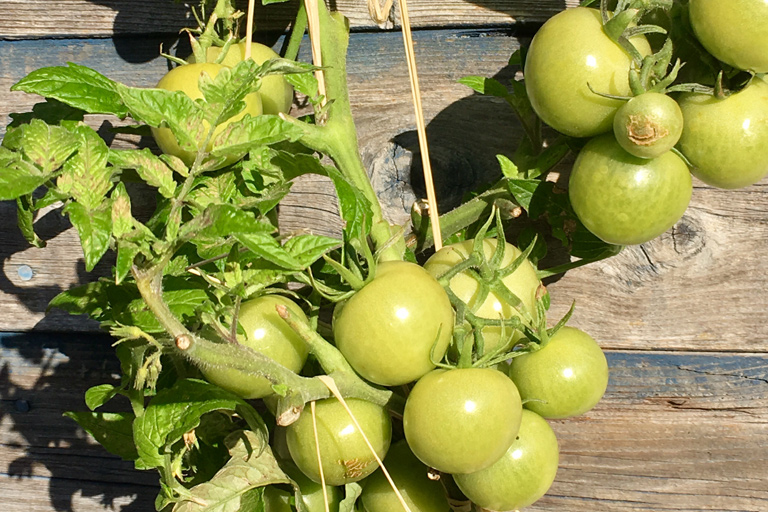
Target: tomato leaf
[
  {"x": 239, "y": 484},
  {"x": 227, "y": 219},
  {"x": 351, "y": 493},
  {"x": 94, "y": 227},
  {"x": 89, "y": 299},
  {"x": 265, "y": 246},
  {"x": 25, "y": 219},
  {"x": 77, "y": 86},
  {"x": 177, "y": 410},
  {"x": 354, "y": 207},
  {"x": 487, "y": 86},
  {"x": 19, "y": 178},
  {"x": 112, "y": 430},
  {"x": 309, "y": 248},
  {"x": 97, "y": 396},
  {"x": 86, "y": 176},
  {"x": 240, "y": 137},
  {"x": 47, "y": 146},
  {"x": 149, "y": 167}
]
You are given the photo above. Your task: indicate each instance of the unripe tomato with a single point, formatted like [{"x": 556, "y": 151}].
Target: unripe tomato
[
  {"x": 265, "y": 332},
  {"x": 462, "y": 420},
  {"x": 388, "y": 329},
  {"x": 569, "y": 53},
  {"x": 726, "y": 140},
  {"x": 312, "y": 496},
  {"x": 276, "y": 93},
  {"x": 522, "y": 475},
  {"x": 523, "y": 282},
  {"x": 627, "y": 200},
  {"x": 566, "y": 377},
  {"x": 186, "y": 78},
  {"x": 410, "y": 477},
  {"x": 648, "y": 125},
  {"x": 276, "y": 499},
  {"x": 344, "y": 454},
  {"x": 734, "y": 31}
]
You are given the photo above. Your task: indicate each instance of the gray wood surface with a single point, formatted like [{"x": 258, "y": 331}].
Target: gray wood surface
[{"x": 684, "y": 425}]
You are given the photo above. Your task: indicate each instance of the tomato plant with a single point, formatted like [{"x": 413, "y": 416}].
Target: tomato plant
[
  {"x": 185, "y": 79},
  {"x": 649, "y": 125},
  {"x": 726, "y": 140},
  {"x": 267, "y": 333},
  {"x": 462, "y": 420},
  {"x": 522, "y": 475},
  {"x": 395, "y": 326},
  {"x": 565, "y": 377},
  {"x": 569, "y": 55},
  {"x": 344, "y": 454},
  {"x": 627, "y": 200},
  {"x": 522, "y": 282},
  {"x": 411, "y": 478},
  {"x": 275, "y": 91},
  {"x": 733, "y": 31}
]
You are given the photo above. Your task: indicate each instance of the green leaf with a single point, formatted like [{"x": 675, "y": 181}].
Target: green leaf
[
  {"x": 213, "y": 189},
  {"x": 523, "y": 190},
  {"x": 94, "y": 228},
  {"x": 236, "y": 486},
  {"x": 149, "y": 167},
  {"x": 487, "y": 86},
  {"x": 240, "y": 137},
  {"x": 122, "y": 220},
  {"x": 351, "y": 494},
  {"x": 47, "y": 146},
  {"x": 75, "y": 85},
  {"x": 112, "y": 430},
  {"x": 226, "y": 220},
  {"x": 97, "y": 396},
  {"x": 174, "y": 109},
  {"x": 89, "y": 299},
  {"x": 25, "y": 218},
  {"x": 508, "y": 167},
  {"x": 354, "y": 207},
  {"x": 265, "y": 246},
  {"x": 19, "y": 178},
  {"x": 126, "y": 253},
  {"x": 177, "y": 410},
  {"x": 85, "y": 175},
  {"x": 307, "y": 249}
]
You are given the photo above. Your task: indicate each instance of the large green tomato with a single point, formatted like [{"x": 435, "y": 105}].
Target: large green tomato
[
  {"x": 276, "y": 499},
  {"x": 411, "y": 479},
  {"x": 265, "y": 332},
  {"x": 624, "y": 199},
  {"x": 276, "y": 93},
  {"x": 463, "y": 420},
  {"x": 312, "y": 496},
  {"x": 568, "y": 54},
  {"x": 522, "y": 475},
  {"x": 344, "y": 454},
  {"x": 185, "y": 79},
  {"x": 565, "y": 378},
  {"x": 734, "y": 31},
  {"x": 391, "y": 327},
  {"x": 726, "y": 140},
  {"x": 523, "y": 282}
]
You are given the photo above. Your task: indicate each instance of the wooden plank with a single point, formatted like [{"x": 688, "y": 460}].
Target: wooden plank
[
  {"x": 675, "y": 431},
  {"x": 103, "y": 18}
]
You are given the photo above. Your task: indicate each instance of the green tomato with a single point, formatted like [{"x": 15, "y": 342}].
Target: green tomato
[
  {"x": 276, "y": 499},
  {"x": 267, "y": 333},
  {"x": 649, "y": 125},
  {"x": 522, "y": 475},
  {"x": 276, "y": 93},
  {"x": 567, "y": 55},
  {"x": 311, "y": 492},
  {"x": 345, "y": 456},
  {"x": 462, "y": 420},
  {"x": 411, "y": 479},
  {"x": 624, "y": 199},
  {"x": 393, "y": 326},
  {"x": 523, "y": 282},
  {"x": 726, "y": 140},
  {"x": 565, "y": 378},
  {"x": 734, "y": 31},
  {"x": 185, "y": 79}
]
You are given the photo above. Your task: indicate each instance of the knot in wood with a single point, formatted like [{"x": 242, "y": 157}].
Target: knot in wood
[{"x": 642, "y": 130}]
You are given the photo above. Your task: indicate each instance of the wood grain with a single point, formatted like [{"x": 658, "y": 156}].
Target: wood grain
[
  {"x": 675, "y": 431},
  {"x": 103, "y": 18}
]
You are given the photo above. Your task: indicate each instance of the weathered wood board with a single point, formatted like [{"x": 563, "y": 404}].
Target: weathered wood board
[
  {"x": 681, "y": 431},
  {"x": 684, "y": 425}
]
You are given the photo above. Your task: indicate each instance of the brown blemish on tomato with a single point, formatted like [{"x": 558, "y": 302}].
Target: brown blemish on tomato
[
  {"x": 354, "y": 468},
  {"x": 643, "y": 130}
]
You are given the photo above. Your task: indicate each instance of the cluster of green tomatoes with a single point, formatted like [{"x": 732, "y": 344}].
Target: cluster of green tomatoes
[
  {"x": 645, "y": 135},
  {"x": 479, "y": 421}
]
